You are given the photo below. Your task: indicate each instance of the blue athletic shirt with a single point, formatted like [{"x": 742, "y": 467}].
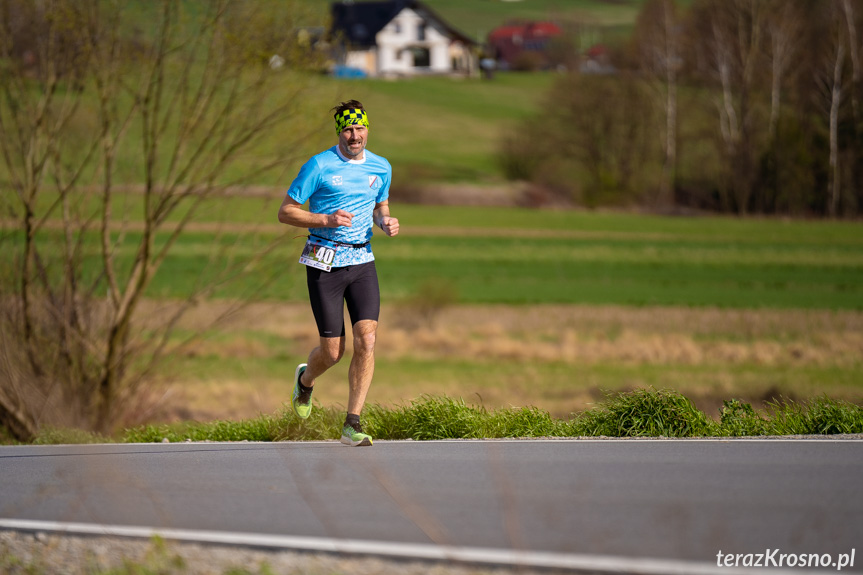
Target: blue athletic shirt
[{"x": 330, "y": 181}]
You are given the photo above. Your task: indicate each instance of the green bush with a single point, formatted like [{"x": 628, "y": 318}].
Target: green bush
[
  {"x": 738, "y": 418},
  {"x": 524, "y": 422},
  {"x": 435, "y": 418},
  {"x": 446, "y": 418},
  {"x": 819, "y": 416},
  {"x": 644, "y": 413}
]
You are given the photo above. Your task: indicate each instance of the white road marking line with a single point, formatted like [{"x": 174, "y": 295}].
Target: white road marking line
[{"x": 420, "y": 551}]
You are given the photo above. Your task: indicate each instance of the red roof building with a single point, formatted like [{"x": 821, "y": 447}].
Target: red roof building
[{"x": 510, "y": 42}]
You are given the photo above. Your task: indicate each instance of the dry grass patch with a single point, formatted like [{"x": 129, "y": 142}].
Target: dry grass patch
[
  {"x": 558, "y": 358},
  {"x": 585, "y": 335}
]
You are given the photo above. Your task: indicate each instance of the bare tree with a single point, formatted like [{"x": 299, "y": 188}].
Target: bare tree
[
  {"x": 197, "y": 99},
  {"x": 783, "y": 25},
  {"x": 855, "y": 152},
  {"x": 729, "y": 35},
  {"x": 601, "y": 124},
  {"x": 835, "y": 103},
  {"x": 829, "y": 71},
  {"x": 658, "y": 41},
  {"x": 854, "y": 49},
  {"x": 37, "y": 110}
]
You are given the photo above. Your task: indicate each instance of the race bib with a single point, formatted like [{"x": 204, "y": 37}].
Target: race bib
[{"x": 319, "y": 253}]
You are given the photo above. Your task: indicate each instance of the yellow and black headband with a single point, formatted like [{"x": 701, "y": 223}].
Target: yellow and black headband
[{"x": 350, "y": 117}]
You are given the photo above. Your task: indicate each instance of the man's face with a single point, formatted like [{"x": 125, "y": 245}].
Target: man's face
[{"x": 352, "y": 141}]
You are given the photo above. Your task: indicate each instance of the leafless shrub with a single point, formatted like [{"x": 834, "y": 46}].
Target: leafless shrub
[{"x": 74, "y": 352}]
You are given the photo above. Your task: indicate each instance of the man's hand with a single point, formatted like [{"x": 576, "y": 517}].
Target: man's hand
[
  {"x": 390, "y": 225},
  {"x": 339, "y": 218}
]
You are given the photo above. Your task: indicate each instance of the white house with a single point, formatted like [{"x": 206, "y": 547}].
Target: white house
[{"x": 399, "y": 38}]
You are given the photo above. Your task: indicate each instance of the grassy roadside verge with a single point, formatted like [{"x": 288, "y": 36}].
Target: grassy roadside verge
[{"x": 639, "y": 413}]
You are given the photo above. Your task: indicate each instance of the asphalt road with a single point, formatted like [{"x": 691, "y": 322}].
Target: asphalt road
[{"x": 681, "y": 501}]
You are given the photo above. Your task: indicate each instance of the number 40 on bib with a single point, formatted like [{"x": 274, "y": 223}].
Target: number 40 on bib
[{"x": 319, "y": 253}]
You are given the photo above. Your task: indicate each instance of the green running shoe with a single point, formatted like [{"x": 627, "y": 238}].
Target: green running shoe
[
  {"x": 353, "y": 435},
  {"x": 301, "y": 403}
]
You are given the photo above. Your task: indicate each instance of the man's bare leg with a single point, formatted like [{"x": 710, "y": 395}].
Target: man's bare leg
[
  {"x": 322, "y": 358},
  {"x": 362, "y": 364}
]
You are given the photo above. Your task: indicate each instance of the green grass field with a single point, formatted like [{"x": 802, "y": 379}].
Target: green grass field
[
  {"x": 430, "y": 129},
  {"x": 519, "y": 256},
  {"x": 445, "y": 128}
]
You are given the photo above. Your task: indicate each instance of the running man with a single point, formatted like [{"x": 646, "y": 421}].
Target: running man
[{"x": 347, "y": 188}]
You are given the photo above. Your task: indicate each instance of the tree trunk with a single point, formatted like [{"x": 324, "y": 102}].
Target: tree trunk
[
  {"x": 16, "y": 421},
  {"x": 669, "y": 175},
  {"x": 836, "y": 100},
  {"x": 855, "y": 59},
  {"x": 780, "y": 44}
]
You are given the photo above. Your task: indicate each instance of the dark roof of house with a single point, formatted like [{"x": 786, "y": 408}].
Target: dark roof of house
[{"x": 357, "y": 23}]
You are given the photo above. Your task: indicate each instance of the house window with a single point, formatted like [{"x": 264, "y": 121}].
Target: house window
[
  {"x": 397, "y": 27},
  {"x": 421, "y": 32},
  {"x": 422, "y": 57}
]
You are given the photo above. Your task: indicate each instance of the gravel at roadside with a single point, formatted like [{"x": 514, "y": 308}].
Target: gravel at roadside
[{"x": 50, "y": 554}]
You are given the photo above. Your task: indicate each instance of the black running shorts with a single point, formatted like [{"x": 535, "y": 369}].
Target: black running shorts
[{"x": 329, "y": 291}]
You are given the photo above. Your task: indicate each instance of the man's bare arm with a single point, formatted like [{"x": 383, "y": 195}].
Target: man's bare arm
[
  {"x": 293, "y": 214},
  {"x": 382, "y": 218}
]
